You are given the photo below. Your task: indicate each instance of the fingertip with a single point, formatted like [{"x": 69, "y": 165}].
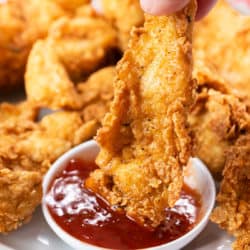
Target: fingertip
[
  {"x": 97, "y": 5},
  {"x": 204, "y": 6},
  {"x": 162, "y": 7}
]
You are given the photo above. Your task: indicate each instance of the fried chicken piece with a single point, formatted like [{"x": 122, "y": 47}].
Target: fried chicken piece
[
  {"x": 233, "y": 201},
  {"x": 97, "y": 94},
  {"x": 242, "y": 242},
  {"x": 23, "y": 111},
  {"x": 21, "y": 24},
  {"x": 73, "y": 49},
  {"x": 27, "y": 149},
  {"x": 144, "y": 140},
  {"x": 124, "y": 15},
  {"x": 57, "y": 133},
  {"x": 223, "y": 39},
  {"x": 20, "y": 194},
  {"x": 217, "y": 120},
  {"x": 45, "y": 141}
]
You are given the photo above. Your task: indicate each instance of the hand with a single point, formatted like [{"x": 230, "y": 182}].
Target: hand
[{"x": 162, "y": 7}]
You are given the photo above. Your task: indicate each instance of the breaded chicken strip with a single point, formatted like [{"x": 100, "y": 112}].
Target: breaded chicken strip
[
  {"x": 223, "y": 39},
  {"x": 97, "y": 93},
  {"x": 17, "y": 114},
  {"x": 144, "y": 140},
  {"x": 217, "y": 119},
  {"x": 74, "y": 48},
  {"x": 21, "y": 24},
  {"x": 20, "y": 194},
  {"x": 27, "y": 149},
  {"x": 233, "y": 209}
]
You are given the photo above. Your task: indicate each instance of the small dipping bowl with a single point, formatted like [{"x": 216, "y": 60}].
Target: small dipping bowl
[{"x": 196, "y": 177}]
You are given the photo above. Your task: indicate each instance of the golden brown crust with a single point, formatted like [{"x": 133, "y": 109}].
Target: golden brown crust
[
  {"x": 233, "y": 209},
  {"x": 28, "y": 148},
  {"x": 223, "y": 39},
  {"x": 242, "y": 242},
  {"x": 21, "y": 24},
  {"x": 74, "y": 48},
  {"x": 21, "y": 193},
  {"x": 144, "y": 140},
  {"x": 216, "y": 121}
]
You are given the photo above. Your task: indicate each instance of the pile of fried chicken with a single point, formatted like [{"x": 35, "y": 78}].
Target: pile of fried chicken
[{"x": 159, "y": 106}]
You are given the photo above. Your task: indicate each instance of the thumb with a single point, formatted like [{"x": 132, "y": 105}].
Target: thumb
[{"x": 162, "y": 7}]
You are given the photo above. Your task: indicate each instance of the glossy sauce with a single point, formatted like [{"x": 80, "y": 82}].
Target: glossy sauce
[{"x": 89, "y": 218}]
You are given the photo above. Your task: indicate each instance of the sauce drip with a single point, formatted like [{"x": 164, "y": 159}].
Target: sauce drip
[{"x": 88, "y": 217}]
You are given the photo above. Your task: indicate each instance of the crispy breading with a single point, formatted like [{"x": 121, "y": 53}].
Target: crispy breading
[
  {"x": 23, "y": 111},
  {"x": 27, "y": 149},
  {"x": 242, "y": 242},
  {"x": 20, "y": 194},
  {"x": 124, "y": 15},
  {"x": 21, "y": 24},
  {"x": 73, "y": 49},
  {"x": 233, "y": 201},
  {"x": 144, "y": 140},
  {"x": 223, "y": 39},
  {"x": 81, "y": 43},
  {"x": 97, "y": 94},
  {"x": 217, "y": 120}
]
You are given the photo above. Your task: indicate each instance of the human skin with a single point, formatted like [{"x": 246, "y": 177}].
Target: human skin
[{"x": 163, "y": 7}]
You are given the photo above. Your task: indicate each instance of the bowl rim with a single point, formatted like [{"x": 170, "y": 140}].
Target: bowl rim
[{"x": 60, "y": 164}]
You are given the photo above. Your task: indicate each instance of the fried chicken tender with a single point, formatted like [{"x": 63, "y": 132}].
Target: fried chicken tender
[
  {"x": 73, "y": 49},
  {"x": 27, "y": 149},
  {"x": 233, "y": 209},
  {"x": 223, "y": 39},
  {"x": 144, "y": 140},
  {"x": 19, "y": 113},
  {"x": 21, "y": 24},
  {"x": 217, "y": 119},
  {"x": 97, "y": 93},
  {"x": 21, "y": 193},
  {"x": 124, "y": 15}
]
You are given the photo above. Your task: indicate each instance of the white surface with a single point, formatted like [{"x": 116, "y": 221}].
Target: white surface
[{"x": 197, "y": 176}]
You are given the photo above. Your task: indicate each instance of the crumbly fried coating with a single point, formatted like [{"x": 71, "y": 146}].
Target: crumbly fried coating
[
  {"x": 223, "y": 39},
  {"x": 27, "y": 149},
  {"x": 71, "y": 5},
  {"x": 97, "y": 93},
  {"x": 124, "y": 15},
  {"x": 20, "y": 194},
  {"x": 21, "y": 24},
  {"x": 23, "y": 111},
  {"x": 233, "y": 201},
  {"x": 242, "y": 242},
  {"x": 73, "y": 49},
  {"x": 144, "y": 139},
  {"x": 217, "y": 119}
]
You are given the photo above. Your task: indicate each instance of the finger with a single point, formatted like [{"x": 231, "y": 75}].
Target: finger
[
  {"x": 162, "y": 7},
  {"x": 97, "y": 5},
  {"x": 204, "y": 7}
]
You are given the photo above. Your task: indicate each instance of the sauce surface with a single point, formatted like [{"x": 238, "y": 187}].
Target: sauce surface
[{"x": 89, "y": 218}]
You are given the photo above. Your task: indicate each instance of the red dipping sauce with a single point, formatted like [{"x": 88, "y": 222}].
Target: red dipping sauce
[{"x": 86, "y": 216}]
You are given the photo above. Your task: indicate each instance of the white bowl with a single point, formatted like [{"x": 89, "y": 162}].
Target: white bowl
[{"x": 196, "y": 176}]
